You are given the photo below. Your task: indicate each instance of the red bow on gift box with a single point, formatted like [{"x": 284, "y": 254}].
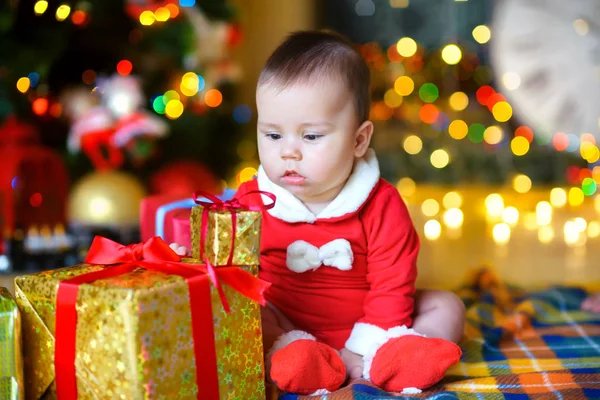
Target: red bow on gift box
[{"x": 155, "y": 255}]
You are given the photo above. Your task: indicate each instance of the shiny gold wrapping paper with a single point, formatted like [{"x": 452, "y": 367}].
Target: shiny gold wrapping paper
[
  {"x": 11, "y": 359},
  {"x": 134, "y": 337},
  {"x": 218, "y": 236}
]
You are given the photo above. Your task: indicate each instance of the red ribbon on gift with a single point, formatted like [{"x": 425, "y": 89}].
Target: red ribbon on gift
[
  {"x": 155, "y": 255},
  {"x": 232, "y": 206}
]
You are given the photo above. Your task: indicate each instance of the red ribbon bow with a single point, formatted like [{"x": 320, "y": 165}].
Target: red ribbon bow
[
  {"x": 155, "y": 255},
  {"x": 232, "y": 206}
]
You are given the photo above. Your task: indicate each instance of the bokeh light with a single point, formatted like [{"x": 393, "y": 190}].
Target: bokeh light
[
  {"x": 482, "y": 34},
  {"x": 451, "y": 54},
  {"x": 440, "y": 158},
  {"x": 413, "y": 144},
  {"x": 459, "y": 101},
  {"x": 406, "y": 47}
]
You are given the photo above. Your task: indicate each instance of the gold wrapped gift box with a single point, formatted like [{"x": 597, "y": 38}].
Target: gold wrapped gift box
[
  {"x": 217, "y": 246},
  {"x": 134, "y": 337}
]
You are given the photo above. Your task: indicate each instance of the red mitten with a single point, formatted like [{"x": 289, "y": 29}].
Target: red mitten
[
  {"x": 304, "y": 366},
  {"x": 412, "y": 361}
]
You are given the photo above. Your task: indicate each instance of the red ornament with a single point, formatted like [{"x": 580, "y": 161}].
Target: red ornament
[{"x": 184, "y": 178}]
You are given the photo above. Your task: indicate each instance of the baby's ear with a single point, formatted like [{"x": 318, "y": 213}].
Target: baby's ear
[{"x": 362, "y": 138}]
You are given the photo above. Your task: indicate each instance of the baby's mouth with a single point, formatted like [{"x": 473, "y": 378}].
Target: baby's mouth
[
  {"x": 291, "y": 173},
  {"x": 293, "y": 178}
]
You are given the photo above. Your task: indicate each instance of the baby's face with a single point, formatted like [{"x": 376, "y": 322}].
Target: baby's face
[{"x": 307, "y": 138}]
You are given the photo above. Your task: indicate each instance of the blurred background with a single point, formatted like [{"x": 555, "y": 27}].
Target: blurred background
[{"x": 486, "y": 118}]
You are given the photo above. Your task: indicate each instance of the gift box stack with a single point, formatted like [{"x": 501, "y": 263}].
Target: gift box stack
[{"x": 140, "y": 322}]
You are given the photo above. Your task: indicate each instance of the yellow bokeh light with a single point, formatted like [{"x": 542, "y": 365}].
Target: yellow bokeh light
[
  {"x": 432, "y": 229},
  {"x": 589, "y": 152},
  {"x": 392, "y": 98},
  {"x": 510, "y": 215},
  {"x": 174, "y": 109},
  {"x": 147, "y": 18},
  {"x": 530, "y": 221},
  {"x": 501, "y": 233},
  {"x": 494, "y": 204},
  {"x": 502, "y": 111},
  {"x": 62, "y": 12},
  {"x": 580, "y": 224},
  {"x": 413, "y": 144},
  {"x": 576, "y": 196},
  {"x": 247, "y": 174},
  {"x": 40, "y": 7},
  {"x": 404, "y": 85},
  {"x": 162, "y": 14},
  {"x": 189, "y": 84},
  {"x": 545, "y": 234},
  {"x": 597, "y": 203},
  {"x": 482, "y": 34},
  {"x": 458, "y": 129},
  {"x": 571, "y": 233},
  {"x": 406, "y": 186},
  {"x": 522, "y": 183},
  {"x": 453, "y": 218},
  {"x": 430, "y": 207},
  {"x": 543, "y": 213},
  {"x": 511, "y": 80},
  {"x": 451, "y": 54},
  {"x": 493, "y": 134},
  {"x": 593, "y": 229},
  {"x": 399, "y": 3},
  {"x": 452, "y": 200},
  {"x": 406, "y": 47},
  {"x": 458, "y": 101},
  {"x": 519, "y": 145},
  {"x": 23, "y": 84},
  {"x": 558, "y": 197},
  {"x": 594, "y": 156},
  {"x": 440, "y": 158}
]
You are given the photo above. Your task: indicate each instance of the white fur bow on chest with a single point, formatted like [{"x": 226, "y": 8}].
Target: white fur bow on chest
[{"x": 303, "y": 256}]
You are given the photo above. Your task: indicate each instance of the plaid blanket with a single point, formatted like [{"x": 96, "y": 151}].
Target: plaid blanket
[{"x": 518, "y": 345}]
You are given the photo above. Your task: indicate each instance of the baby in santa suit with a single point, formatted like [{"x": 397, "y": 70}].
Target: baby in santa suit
[{"x": 339, "y": 246}]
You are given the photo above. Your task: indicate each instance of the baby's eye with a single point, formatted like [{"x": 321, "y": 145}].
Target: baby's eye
[
  {"x": 273, "y": 135},
  {"x": 312, "y": 136}
]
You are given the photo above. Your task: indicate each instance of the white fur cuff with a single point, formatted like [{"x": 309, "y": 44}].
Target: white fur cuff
[
  {"x": 363, "y": 336},
  {"x": 391, "y": 333},
  {"x": 288, "y": 338}
]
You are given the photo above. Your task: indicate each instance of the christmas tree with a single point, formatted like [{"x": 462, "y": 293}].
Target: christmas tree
[
  {"x": 104, "y": 102},
  {"x": 60, "y": 59}
]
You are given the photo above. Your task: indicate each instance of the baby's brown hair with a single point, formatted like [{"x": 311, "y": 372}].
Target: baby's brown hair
[{"x": 309, "y": 54}]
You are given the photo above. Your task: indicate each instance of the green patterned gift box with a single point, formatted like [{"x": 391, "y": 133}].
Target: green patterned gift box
[{"x": 11, "y": 359}]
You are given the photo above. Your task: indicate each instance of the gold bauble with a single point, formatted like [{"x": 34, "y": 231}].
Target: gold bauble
[{"x": 108, "y": 199}]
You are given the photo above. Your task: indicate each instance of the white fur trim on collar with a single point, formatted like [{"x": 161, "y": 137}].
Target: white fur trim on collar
[{"x": 289, "y": 208}]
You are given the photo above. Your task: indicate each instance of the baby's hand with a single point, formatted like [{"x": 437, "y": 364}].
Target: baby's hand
[
  {"x": 180, "y": 250},
  {"x": 354, "y": 363}
]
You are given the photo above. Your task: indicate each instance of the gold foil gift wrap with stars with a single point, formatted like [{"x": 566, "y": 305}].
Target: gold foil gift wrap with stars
[
  {"x": 11, "y": 360},
  {"x": 134, "y": 337},
  {"x": 218, "y": 230}
]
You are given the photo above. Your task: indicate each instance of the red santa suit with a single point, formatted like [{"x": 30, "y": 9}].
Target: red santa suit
[{"x": 347, "y": 274}]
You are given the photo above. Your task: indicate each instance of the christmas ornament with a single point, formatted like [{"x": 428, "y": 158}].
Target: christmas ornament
[
  {"x": 546, "y": 56},
  {"x": 106, "y": 199},
  {"x": 184, "y": 178},
  {"x": 110, "y": 119}
]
